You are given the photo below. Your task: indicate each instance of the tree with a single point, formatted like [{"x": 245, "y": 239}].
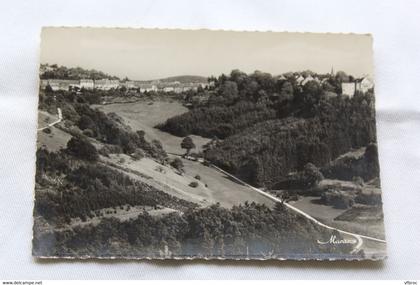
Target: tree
[
  {"x": 341, "y": 76},
  {"x": 279, "y": 207},
  {"x": 177, "y": 164},
  {"x": 85, "y": 122},
  {"x": 48, "y": 89},
  {"x": 311, "y": 175},
  {"x": 286, "y": 92},
  {"x": 229, "y": 90},
  {"x": 188, "y": 144},
  {"x": 82, "y": 148},
  {"x": 193, "y": 184}
]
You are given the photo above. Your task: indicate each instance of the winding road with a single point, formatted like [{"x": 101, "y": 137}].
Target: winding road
[{"x": 358, "y": 237}]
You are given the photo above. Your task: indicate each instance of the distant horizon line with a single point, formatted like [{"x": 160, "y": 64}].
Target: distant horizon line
[{"x": 204, "y": 76}]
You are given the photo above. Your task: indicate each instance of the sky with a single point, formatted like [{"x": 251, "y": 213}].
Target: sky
[{"x": 145, "y": 54}]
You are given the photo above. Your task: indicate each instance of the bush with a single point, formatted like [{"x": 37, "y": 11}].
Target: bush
[
  {"x": 138, "y": 154},
  {"x": 177, "y": 164},
  {"x": 358, "y": 180},
  {"x": 160, "y": 169},
  {"x": 193, "y": 184},
  {"x": 82, "y": 148},
  {"x": 311, "y": 175},
  {"x": 104, "y": 151},
  {"x": 371, "y": 198},
  {"x": 338, "y": 199},
  {"x": 88, "y": 133},
  {"x": 47, "y": 131}
]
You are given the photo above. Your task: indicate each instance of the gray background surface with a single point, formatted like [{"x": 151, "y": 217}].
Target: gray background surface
[{"x": 396, "y": 30}]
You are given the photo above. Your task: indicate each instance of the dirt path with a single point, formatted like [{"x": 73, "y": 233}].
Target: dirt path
[{"x": 60, "y": 118}]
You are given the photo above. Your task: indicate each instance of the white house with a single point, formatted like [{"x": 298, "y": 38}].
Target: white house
[
  {"x": 360, "y": 85},
  {"x": 348, "y": 88},
  {"x": 87, "y": 83},
  {"x": 58, "y": 84},
  {"x": 168, "y": 89},
  {"x": 147, "y": 87},
  {"x": 364, "y": 84},
  {"x": 299, "y": 79},
  {"x": 129, "y": 84},
  {"x": 106, "y": 84},
  {"x": 306, "y": 80}
]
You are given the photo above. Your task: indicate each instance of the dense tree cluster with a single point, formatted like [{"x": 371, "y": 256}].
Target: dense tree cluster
[
  {"x": 82, "y": 148},
  {"x": 75, "y": 73},
  {"x": 219, "y": 121},
  {"x": 270, "y": 150},
  {"x": 346, "y": 168},
  {"x": 110, "y": 129},
  {"x": 250, "y": 230},
  {"x": 271, "y": 126},
  {"x": 106, "y": 128}
]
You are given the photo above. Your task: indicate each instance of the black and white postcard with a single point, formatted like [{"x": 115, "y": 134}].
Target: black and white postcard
[{"x": 199, "y": 144}]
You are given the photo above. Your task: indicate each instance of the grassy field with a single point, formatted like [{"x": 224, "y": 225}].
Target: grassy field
[
  {"x": 145, "y": 115},
  {"x": 56, "y": 139},
  {"x": 164, "y": 178},
  {"x": 142, "y": 116}
]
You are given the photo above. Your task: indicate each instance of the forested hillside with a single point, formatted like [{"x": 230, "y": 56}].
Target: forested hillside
[
  {"x": 74, "y": 73},
  {"x": 271, "y": 126},
  {"x": 250, "y": 230}
]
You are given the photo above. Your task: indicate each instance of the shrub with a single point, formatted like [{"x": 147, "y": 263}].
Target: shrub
[
  {"x": 358, "y": 180},
  {"x": 82, "y": 148},
  {"x": 177, "y": 164},
  {"x": 47, "y": 131},
  {"x": 311, "y": 175},
  {"x": 160, "y": 169},
  {"x": 138, "y": 154},
  {"x": 370, "y": 198},
  {"x": 104, "y": 151},
  {"x": 193, "y": 184},
  {"x": 88, "y": 133},
  {"x": 337, "y": 199}
]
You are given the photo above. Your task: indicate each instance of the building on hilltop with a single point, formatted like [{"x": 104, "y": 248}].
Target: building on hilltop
[
  {"x": 364, "y": 84},
  {"x": 145, "y": 87},
  {"x": 106, "y": 84},
  {"x": 129, "y": 84},
  {"x": 58, "y": 84},
  {"x": 348, "y": 88},
  {"x": 87, "y": 83},
  {"x": 359, "y": 85}
]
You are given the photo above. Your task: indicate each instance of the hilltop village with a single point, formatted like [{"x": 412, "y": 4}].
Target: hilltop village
[{"x": 50, "y": 76}]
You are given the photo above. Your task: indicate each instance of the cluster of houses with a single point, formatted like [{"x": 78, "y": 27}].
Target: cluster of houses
[
  {"x": 347, "y": 88},
  {"x": 108, "y": 84}
]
